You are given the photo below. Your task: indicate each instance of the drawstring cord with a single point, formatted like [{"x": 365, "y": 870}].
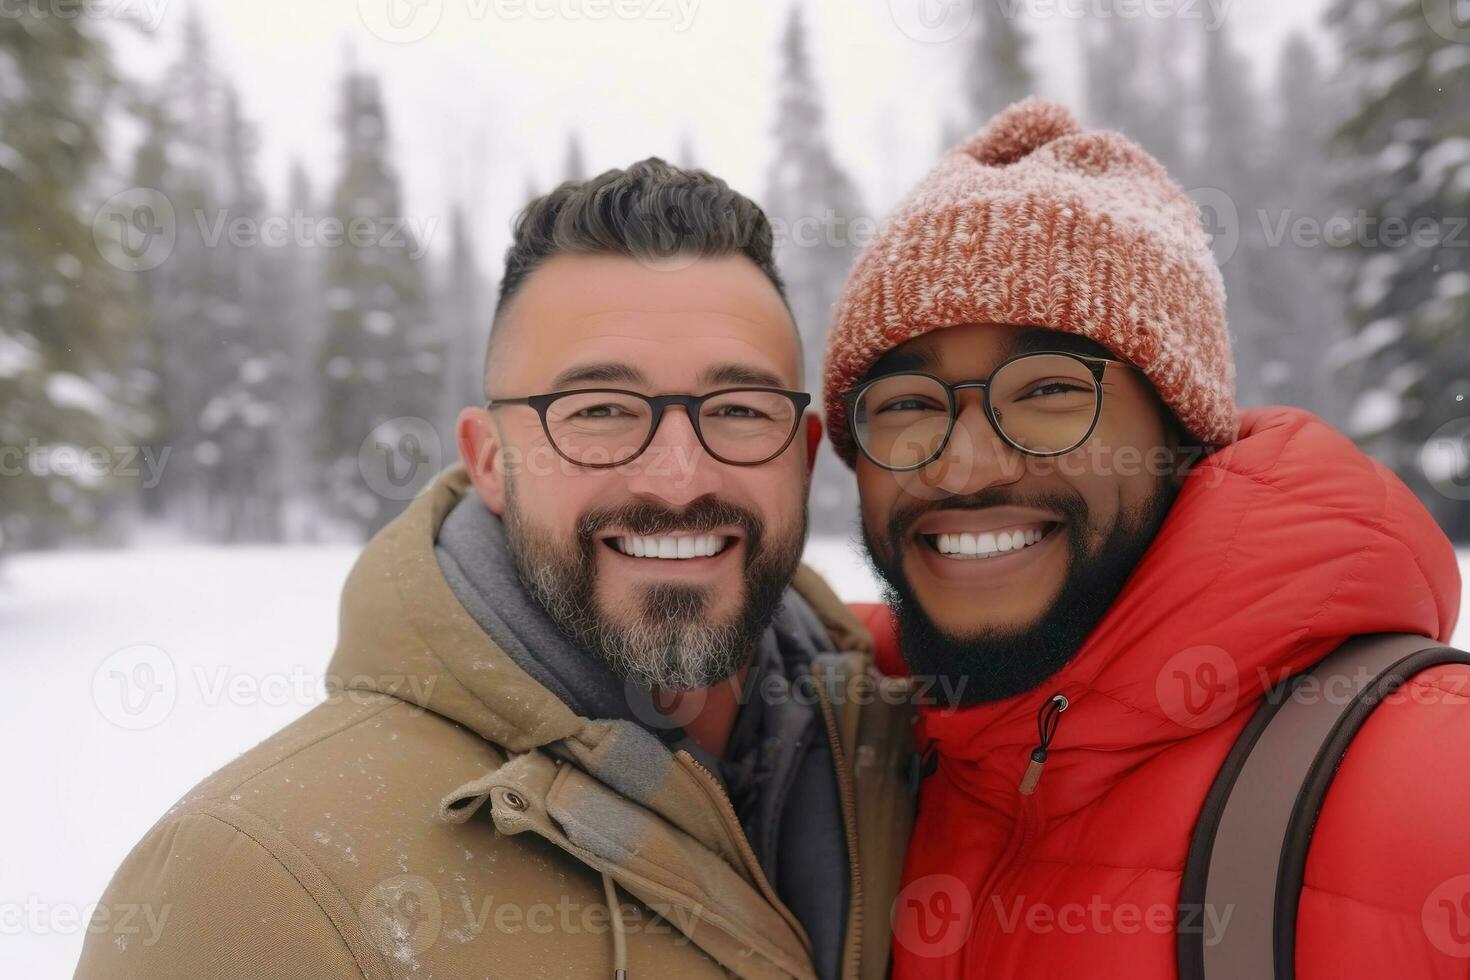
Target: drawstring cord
[
  {"x": 1046, "y": 729},
  {"x": 620, "y": 941}
]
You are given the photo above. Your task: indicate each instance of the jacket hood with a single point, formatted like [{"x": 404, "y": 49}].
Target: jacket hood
[
  {"x": 403, "y": 632},
  {"x": 1277, "y": 549}
]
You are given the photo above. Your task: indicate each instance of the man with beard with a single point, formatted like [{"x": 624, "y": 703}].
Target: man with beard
[
  {"x": 1108, "y": 568},
  {"x": 597, "y": 721}
]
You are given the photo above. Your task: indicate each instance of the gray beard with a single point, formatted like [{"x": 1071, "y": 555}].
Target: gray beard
[{"x": 669, "y": 644}]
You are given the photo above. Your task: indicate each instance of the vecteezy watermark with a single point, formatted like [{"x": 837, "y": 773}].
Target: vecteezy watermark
[
  {"x": 1364, "y": 230},
  {"x": 146, "y": 13},
  {"x": 1343, "y": 688},
  {"x": 826, "y": 230},
  {"x": 139, "y": 687},
  {"x": 932, "y": 21},
  {"x": 774, "y": 689},
  {"x": 136, "y": 687},
  {"x": 408, "y": 21},
  {"x": 1225, "y": 225},
  {"x": 406, "y": 233},
  {"x": 138, "y": 229},
  {"x": 406, "y": 915},
  {"x": 127, "y": 922},
  {"x": 135, "y": 230},
  {"x": 932, "y": 915},
  {"x": 1211, "y": 12},
  {"x": 1445, "y": 458},
  {"x": 1198, "y": 687},
  {"x": 1445, "y": 917},
  {"x": 1219, "y": 218},
  {"x": 956, "y": 465},
  {"x": 1450, "y": 19},
  {"x": 399, "y": 458},
  {"x": 89, "y": 464},
  {"x": 1099, "y": 917}
]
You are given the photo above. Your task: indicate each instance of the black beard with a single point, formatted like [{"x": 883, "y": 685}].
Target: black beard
[
  {"x": 995, "y": 665},
  {"x": 670, "y": 644}
]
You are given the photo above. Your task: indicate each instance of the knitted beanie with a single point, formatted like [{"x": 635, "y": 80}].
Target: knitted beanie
[{"x": 1035, "y": 222}]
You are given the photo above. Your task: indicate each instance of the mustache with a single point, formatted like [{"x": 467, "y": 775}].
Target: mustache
[
  {"x": 648, "y": 518},
  {"x": 1070, "y": 506}
]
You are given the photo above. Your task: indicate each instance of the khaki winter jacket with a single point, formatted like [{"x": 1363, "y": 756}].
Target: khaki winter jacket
[{"x": 418, "y": 824}]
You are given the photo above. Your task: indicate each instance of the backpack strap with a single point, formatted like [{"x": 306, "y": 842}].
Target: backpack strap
[{"x": 1248, "y": 856}]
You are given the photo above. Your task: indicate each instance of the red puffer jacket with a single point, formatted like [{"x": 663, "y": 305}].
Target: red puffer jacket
[{"x": 1277, "y": 549}]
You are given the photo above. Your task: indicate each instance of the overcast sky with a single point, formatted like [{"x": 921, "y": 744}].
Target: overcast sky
[{"x": 482, "y": 93}]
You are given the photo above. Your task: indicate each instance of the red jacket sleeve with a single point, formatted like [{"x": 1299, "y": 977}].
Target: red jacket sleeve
[{"x": 1387, "y": 888}]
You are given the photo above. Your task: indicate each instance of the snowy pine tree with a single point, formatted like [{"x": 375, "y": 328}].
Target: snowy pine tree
[
  {"x": 1407, "y": 148},
  {"x": 71, "y": 333},
  {"x": 820, "y": 226},
  {"x": 222, "y": 357},
  {"x": 383, "y": 358}
]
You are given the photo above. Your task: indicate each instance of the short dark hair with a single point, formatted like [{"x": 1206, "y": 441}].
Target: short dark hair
[{"x": 652, "y": 210}]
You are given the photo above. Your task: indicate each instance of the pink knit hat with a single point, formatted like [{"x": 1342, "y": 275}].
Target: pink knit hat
[{"x": 1033, "y": 221}]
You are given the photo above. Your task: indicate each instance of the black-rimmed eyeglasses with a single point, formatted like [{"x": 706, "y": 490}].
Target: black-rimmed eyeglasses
[
  {"x": 602, "y": 427},
  {"x": 1044, "y": 403}
]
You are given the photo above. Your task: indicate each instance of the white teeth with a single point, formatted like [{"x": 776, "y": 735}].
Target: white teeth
[
  {"x": 670, "y": 546},
  {"x": 961, "y": 545}
]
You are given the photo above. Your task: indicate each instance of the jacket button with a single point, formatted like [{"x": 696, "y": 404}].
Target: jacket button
[{"x": 514, "y": 800}]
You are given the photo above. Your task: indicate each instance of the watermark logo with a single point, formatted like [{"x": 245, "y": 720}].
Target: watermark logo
[
  {"x": 408, "y": 21},
  {"x": 932, "y": 915},
  {"x": 932, "y": 21},
  {"x": 400, "y": 21},
  {"x": 399, "y": 457},
  {"x": 135, "y": 688},
  {"x": 1212, "y": 12},
  {"x": 147, "y": 14},
  {"x": 1446, "y": 917},
  {"x": 1445, "y": 459},
  {"x": 128, "y": 923},
  {"x": 1198, "y": 687},
  {"x": 402, "y": 916},
  {"x": 1220, "y": 219},
  {"x": 1450, "y": 19},
  {"x": 135, "y": 230}
]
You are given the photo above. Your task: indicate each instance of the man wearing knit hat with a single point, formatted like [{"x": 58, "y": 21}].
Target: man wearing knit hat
[{"x": 1105, "y": 567}]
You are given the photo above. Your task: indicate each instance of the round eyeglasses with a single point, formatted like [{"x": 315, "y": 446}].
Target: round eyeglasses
[
  {"x": 602, "y": 427},
  {"x": 1044, "y": 403}
]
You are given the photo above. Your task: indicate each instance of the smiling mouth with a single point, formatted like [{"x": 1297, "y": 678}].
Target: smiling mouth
[
  {"x": 675, "y": 547},
  {"x": 964, "y": 546}
]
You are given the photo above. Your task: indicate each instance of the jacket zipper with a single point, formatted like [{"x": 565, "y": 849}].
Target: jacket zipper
[
  {"x": 852, "y": 953},
  {"x": 1027, "y": 820},
  {"x": 736, "y": 833},
  {"x": 852, "y": 958}
]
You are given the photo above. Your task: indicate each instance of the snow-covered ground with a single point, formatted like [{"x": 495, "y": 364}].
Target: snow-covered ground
[{"x": 132, "y": 674}]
